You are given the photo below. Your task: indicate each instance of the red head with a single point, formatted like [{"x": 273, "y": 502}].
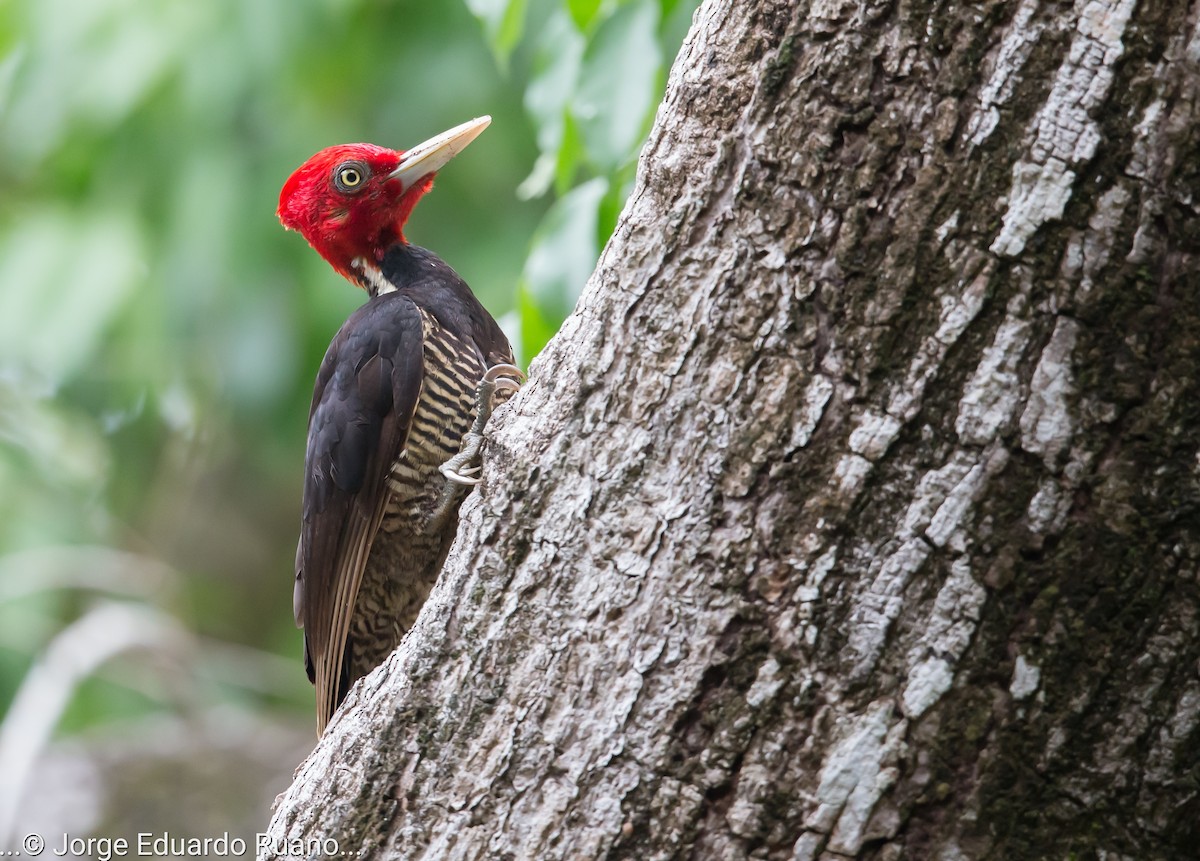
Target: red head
[{"x": 351, "y": 201}]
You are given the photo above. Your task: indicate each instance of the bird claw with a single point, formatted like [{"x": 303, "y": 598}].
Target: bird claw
[
  {"x": 458, "y": 477},
  {"x": 455, "y": 470},
  {"x": 464, "y": 468},
  {"x": 496, "y": 373},
  {"x": 495, "y": 380}
]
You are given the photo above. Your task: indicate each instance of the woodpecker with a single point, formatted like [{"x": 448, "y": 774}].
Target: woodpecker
[{"x": 397, "y": 413}]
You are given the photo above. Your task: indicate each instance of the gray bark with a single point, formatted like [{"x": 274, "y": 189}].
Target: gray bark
[{"x": 854, "y": 512}]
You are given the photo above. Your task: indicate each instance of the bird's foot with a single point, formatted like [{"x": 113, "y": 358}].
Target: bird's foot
[
  {"x": 464, "y": 467},
  {"x": 456, "y": 469}
]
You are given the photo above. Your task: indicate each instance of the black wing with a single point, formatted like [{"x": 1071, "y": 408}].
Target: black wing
[{"x": 363, "y": 402}]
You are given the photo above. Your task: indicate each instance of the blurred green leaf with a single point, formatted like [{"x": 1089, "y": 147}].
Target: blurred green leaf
[
  {"x": 667, "y": 7},
  {"x": 611, "y": 204},
  {"x": 596, "y": 74},
  {"x": 8, "y": 72},
  {"x": 503, "y": 21},
  {"x": 617, "y": 89},
  {"x": 570, "y": 156},
  {"x": 583, "y": 12},
  {"x": 676, "y": 21},
  {"x": 59, "y": 306},
  {"x": 535, "y": 327},
  {"x": 556, "y": 63},
  {"x": 559, "y": 263}
]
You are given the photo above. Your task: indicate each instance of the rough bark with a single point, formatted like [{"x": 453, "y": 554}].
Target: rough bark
[{"x": 854, "y": 513}]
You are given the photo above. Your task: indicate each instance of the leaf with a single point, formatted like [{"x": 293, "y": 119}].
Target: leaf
[
  {"x": 610, "y": 206},
  {"x": 535, "y": 329},
  {"x": 668, "y": 6},
  {"x": 675, "y": 24},
  {"x": 617, "y": 84},
  {"x": 539, "y": 179},
  {"x": 570, "y": 154},
  {"x": 8, "y": 72},
  {"x": 583, "y": 12},
  {"x": 57, "y": 306},
  {"x": 503, "y": 22},
  {"x": 556, "y": 64},
  {"x": 563, "y": 255}
]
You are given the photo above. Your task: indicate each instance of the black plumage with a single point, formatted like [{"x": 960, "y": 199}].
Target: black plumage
[{"x": 395, "y": 394}]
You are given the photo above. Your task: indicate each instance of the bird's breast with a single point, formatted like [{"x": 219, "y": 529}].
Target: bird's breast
[{"x": 452, "y": 368}]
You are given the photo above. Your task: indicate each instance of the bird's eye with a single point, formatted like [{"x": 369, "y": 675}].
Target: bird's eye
[{"x": 349, "y": 177}]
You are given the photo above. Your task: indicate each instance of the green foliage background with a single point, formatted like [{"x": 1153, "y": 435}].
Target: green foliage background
[{"x": 159, "y": 331}]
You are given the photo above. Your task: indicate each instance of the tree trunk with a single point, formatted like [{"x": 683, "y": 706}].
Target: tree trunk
[{"x": 854, "y": 512}]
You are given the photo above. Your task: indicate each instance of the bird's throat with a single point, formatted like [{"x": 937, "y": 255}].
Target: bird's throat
[{"x": 371, "y": 277}]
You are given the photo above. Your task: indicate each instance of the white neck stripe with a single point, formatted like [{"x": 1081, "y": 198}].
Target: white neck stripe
[{"x": 376, "y": 283}]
